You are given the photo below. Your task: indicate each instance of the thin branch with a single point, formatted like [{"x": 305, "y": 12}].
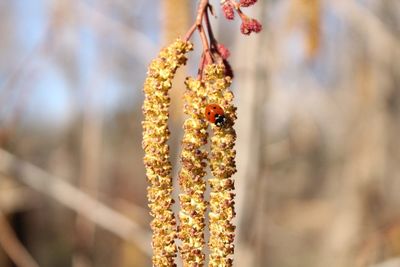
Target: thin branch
[
  {"x": 189, "y": 34},
  {"x": 213, "y": 41},
  {"x": 202, "y": 10},
  {"x": 13, "y": 247},
  {"x": 201, "y": 66},
  {"x": 206, "y": 47},
  {"x": 199, "y": 18},
  {"x": 76, "y": 200}
]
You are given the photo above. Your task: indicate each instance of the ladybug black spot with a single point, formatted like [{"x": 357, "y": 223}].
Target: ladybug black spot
[
  {"x": 209, "y": 113},
  {"x": 214, "y": 107},
  {"x": 220, "y": 120}
]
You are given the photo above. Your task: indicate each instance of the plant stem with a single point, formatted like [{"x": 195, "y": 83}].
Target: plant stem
[
  {"x": 213, "y": 41},
  {"x": 202, "y": 11}
]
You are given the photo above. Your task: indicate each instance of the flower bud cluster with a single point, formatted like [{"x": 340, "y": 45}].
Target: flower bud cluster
[
  {"x": 223, "y": 166},
  {"x": 193, "y": 186},
  {"x": 248, "y": 25},
  {"x": 247, "y": 3},
  {"x": 223, "y": 51},
  {"x": 228, "y": 10},
  {"x": 155, "y": 136}
]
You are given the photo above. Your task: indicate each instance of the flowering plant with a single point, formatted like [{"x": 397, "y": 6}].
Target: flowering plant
[{"x": 209, "y": 88}]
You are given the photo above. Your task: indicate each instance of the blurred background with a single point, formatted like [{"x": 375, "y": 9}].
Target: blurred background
[{"x": 318, "y": 148}]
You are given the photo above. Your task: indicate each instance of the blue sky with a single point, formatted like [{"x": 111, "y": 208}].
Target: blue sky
[{"x": 49, "y": 97}]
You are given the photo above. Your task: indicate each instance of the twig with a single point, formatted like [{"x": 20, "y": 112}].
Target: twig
[
  {"x": 198, "y": 25},
  {"x": 76, "y": 200},
  {"x": 189, "y": 34},
  {"x": 206, "y": 46},
  {"x": 13, "y": 247},
  {"x": 213, "y": 41},
  {"x": 200, "y": 13}
]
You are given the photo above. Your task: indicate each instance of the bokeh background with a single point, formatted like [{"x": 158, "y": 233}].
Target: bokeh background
[{"x": 318, "y": 150}]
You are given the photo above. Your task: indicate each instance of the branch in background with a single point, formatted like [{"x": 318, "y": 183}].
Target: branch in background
[
  {"x": 90, "y": 163},
  {"x": 365, "y": 19},
  {"x": 131, "y": 39},
  {"x": 13, "y": 247},
  {"x": 17, "y": 199},
  {"x": 76, "y": 200}
]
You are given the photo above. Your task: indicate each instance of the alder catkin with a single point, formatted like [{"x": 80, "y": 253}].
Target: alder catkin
[
  {"x": 222, "y": 164},
  {"x": 155, "y": 136},
  {"x": 193, "y": 186}
]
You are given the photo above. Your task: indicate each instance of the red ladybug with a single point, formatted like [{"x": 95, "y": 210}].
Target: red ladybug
[{"x": 215, "y": 114}]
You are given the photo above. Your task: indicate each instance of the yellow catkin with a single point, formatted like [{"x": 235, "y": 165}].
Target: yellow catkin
[
  {"x": 155, "y": 136},
  {"x": 222, "y": 164},
  {"x": 193, "y": 186}
]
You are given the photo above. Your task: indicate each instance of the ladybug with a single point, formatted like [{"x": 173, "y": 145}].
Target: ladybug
[{"x": 215, "y": 114}]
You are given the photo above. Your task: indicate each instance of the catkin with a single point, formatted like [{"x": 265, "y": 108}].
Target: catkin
[
  {"x": 155, "y": 136},
  {"x": 222, "y": 164},
  {"x": 193, "y": 156}
]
